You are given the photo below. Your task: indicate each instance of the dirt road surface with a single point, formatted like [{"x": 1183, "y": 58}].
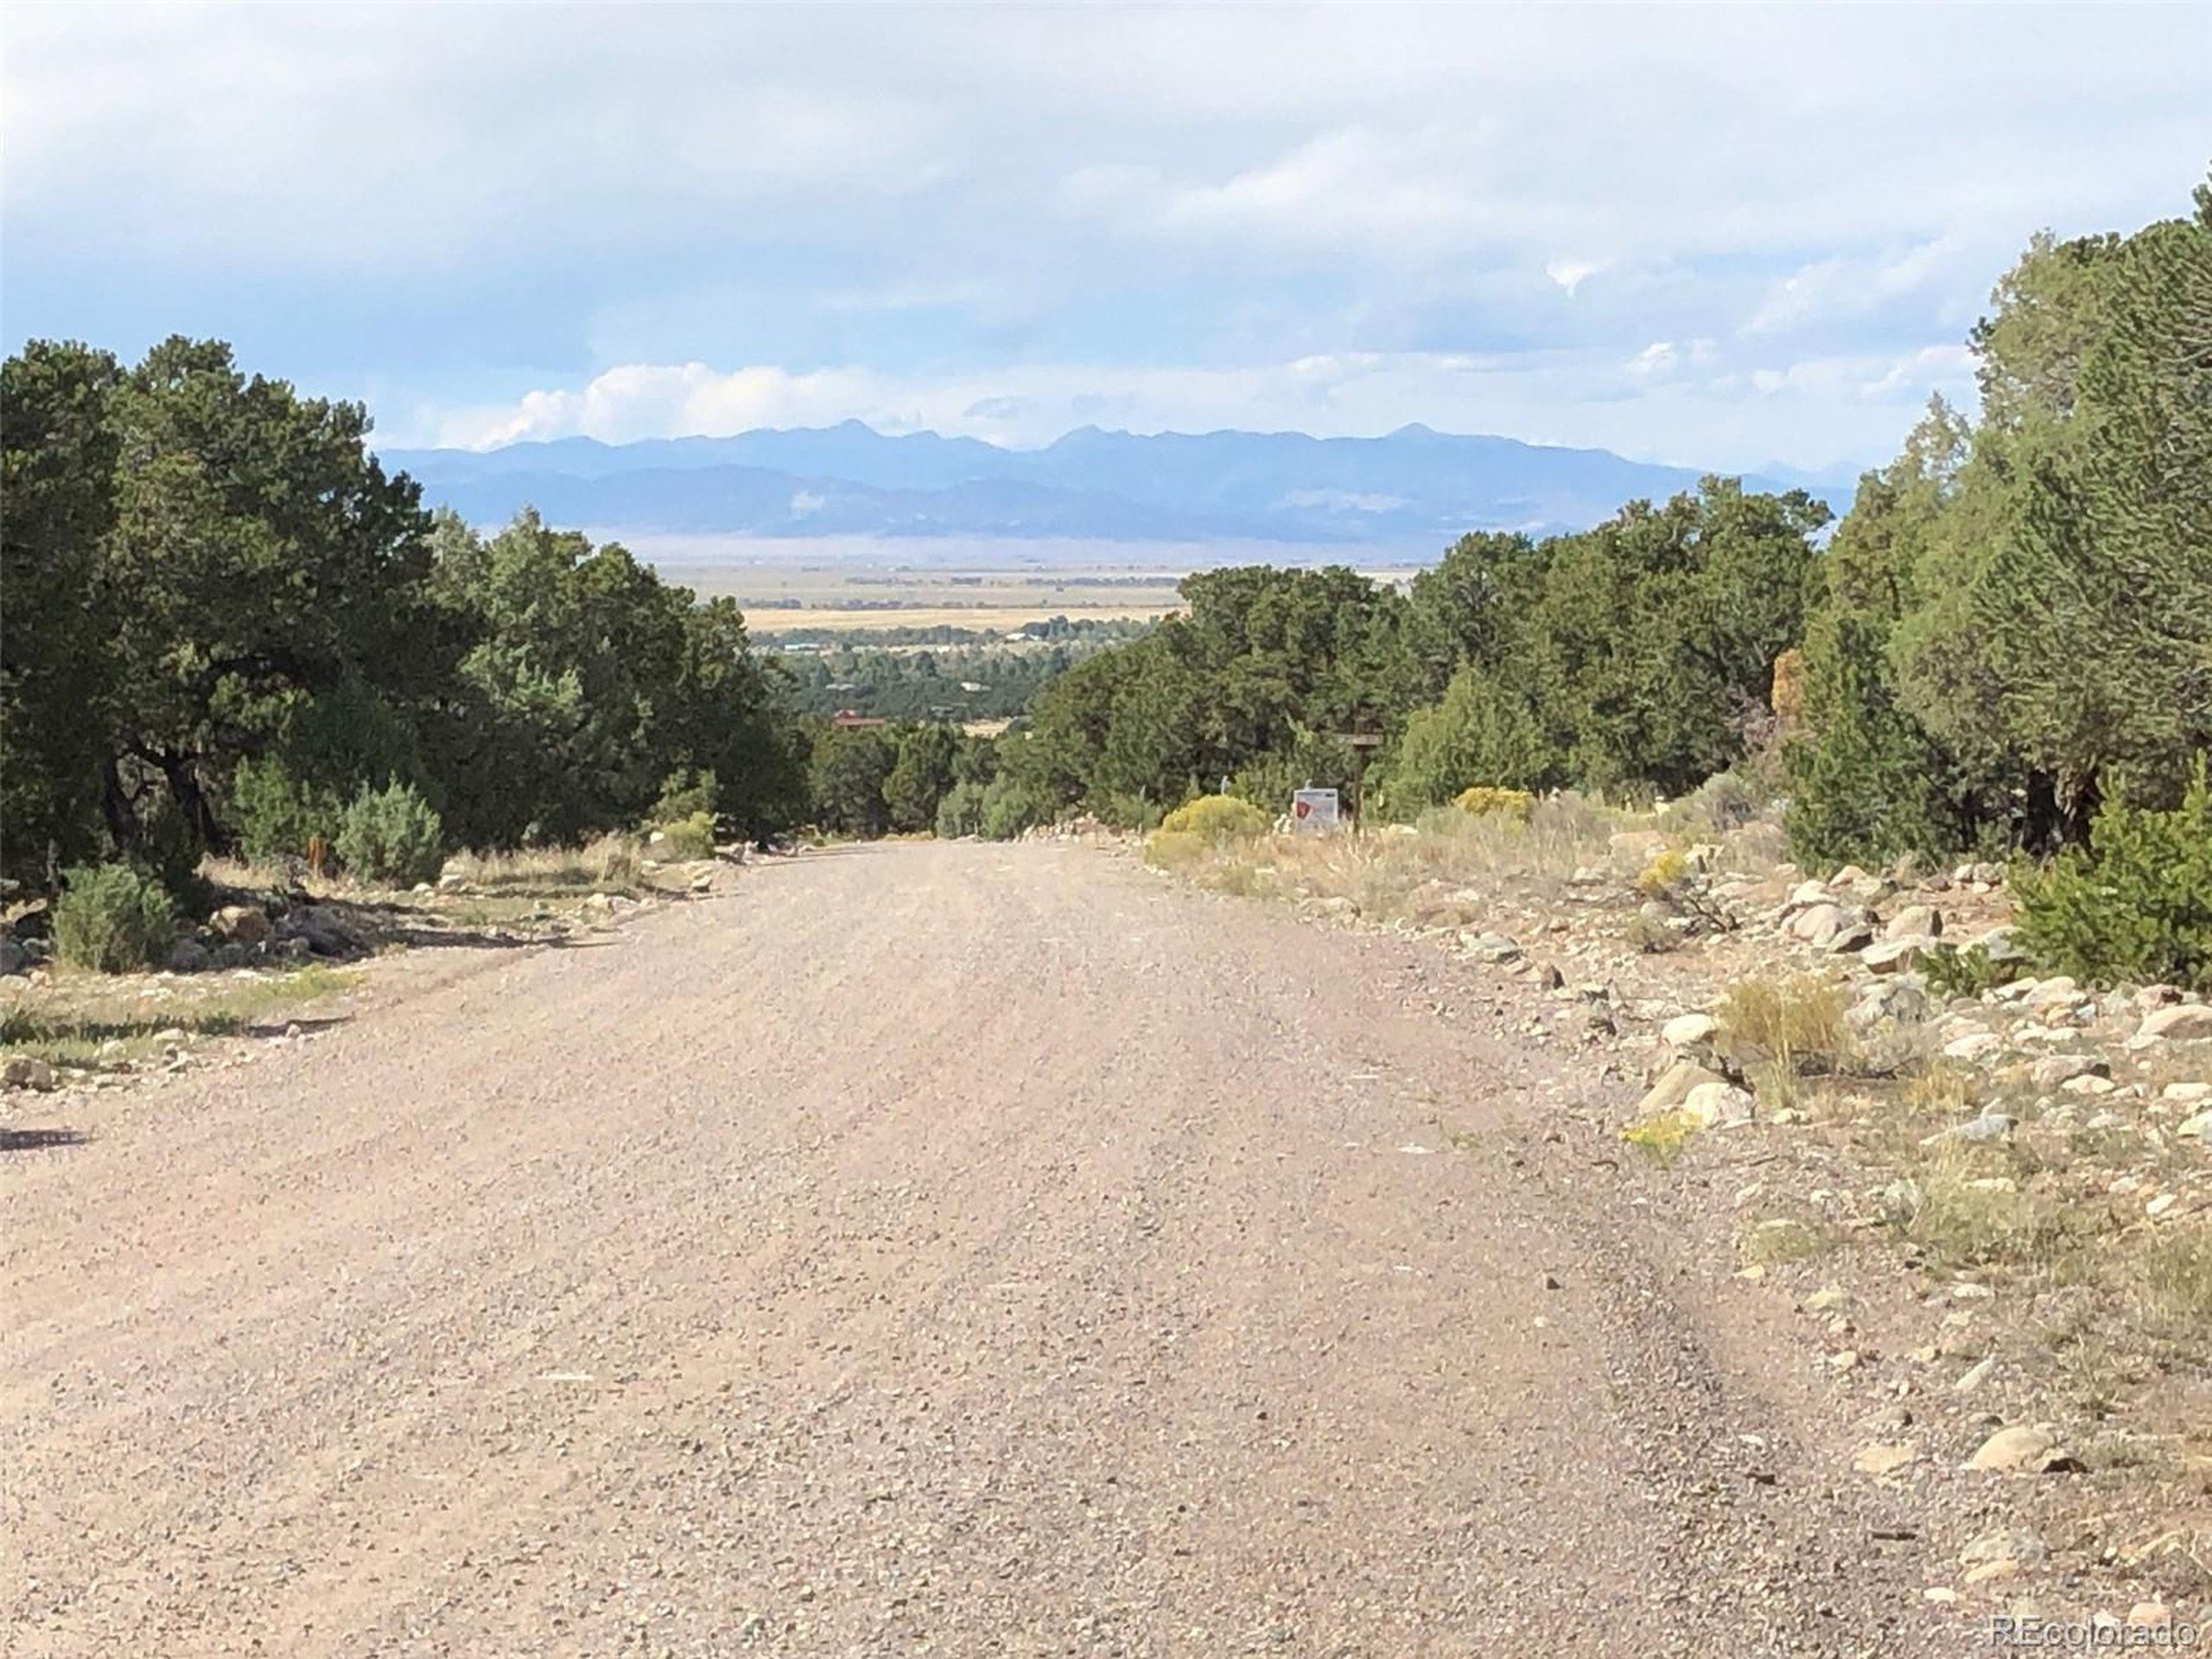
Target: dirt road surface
[{"x": 924, "y": 1250}]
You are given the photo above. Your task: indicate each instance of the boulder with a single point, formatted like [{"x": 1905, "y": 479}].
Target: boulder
[
  {"x": 2024, "y": 1451},
  {"x": 1690, "y": 1031},
  {"x": 2184, "y": 1022},
  {"x": 1718, "y": 1102},
  {"x": 2056, "y": 1071},
  {"x": 318, "y": 928},
  {"x": 1804, "y": 896},
  {"x": 13, "y": 959},
  {"x": 1916, "y": 922},
  {"x": 1817, "y": 924},
  {"x": 2012, "y": 1450},
  {"x": 188, "y": 956},
  {"x": 26, "y": 1071},
  {"x": 242, "y": 924},
  {"x": 1674, "y": 1087},
  {"x": 1851, "y": 936},
  {"x": 1892, "y": 955},
  {"x": 1885, "y": 1460}
]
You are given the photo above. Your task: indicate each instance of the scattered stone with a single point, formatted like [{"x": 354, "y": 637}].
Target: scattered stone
[
  {"x": 1689, "y": 1030},
  {"x": 2187, "y": 1094},
  {"x": 1985, "y": 1130},
  {"x": 1674, "y": 1087},
  {"x": 1916, "y": 922},
  {"x": 2089, "y": 1084},
  {"x": 1818, "y": 924},
  {"x": 2023, "y": 1449},
  {"x": 1973, "y": 1045},
  {"x": 1718, "y": 1102},
  {"x": 1976, "y": 1375},
  {"x": 1892, "y": 955},
  {"x": 2056, "y": 1071},
  {"x": 1493, "y": 947},
  {"x": 2149, "y": 1616},
  {"x": 26, "y": 1071},
  {"x": 1992, "y": 1572},
  {"x": 1885, "y": 1458},
  {"x": 2184, "y": 1022},
  {"x": 1851, "y": 936},
  {"x": 2198, "y": 1127}
]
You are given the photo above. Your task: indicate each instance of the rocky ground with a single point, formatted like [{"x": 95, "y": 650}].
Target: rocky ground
[
  {"x": 271, "y": 945},
  {"x": 1988, "y": 1208}
]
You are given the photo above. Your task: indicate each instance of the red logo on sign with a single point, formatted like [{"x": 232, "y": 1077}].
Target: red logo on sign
[{"x": 1301, "y": 808}]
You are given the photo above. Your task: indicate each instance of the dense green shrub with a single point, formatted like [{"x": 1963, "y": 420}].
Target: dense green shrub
[
  {"x": 392, "y": 836},
  {"x": 1216, "y": 819},
  {"x": 276, "y": 813},
  {"x": 685, "y": 792},
  {"x": 113, "y": 918},
  {"x": 1011, "y": 806},
  {"x": 688, "y": 837},
  {"x": 1963, "y": 970},
  {"x": 2137, "y": 905},
  {"x": 960, "y": 811}
]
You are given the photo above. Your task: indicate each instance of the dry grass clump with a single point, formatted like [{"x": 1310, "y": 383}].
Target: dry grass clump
[
  {"x": 611, "y": 864},
  {"x": 1780, "y": 1239},
  {"x": 2168, "y": 1282},
  {"x": 1962, "y": 1212},
  {"x": 1482, "y": 800},
  {"x": 1777, "y": 1031}
]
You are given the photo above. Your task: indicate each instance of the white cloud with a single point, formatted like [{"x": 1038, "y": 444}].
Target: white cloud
[
  {"x": 1571, "y": 274},
  {"x": 1843, "y": 288},
  {"x": 1345, "y": 217}
]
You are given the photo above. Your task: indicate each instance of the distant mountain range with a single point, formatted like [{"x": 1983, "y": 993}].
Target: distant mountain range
[{"x": 1412, "y": 489}]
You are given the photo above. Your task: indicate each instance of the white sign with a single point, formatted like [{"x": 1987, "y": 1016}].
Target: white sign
[{"x": 1313, "y": 812}]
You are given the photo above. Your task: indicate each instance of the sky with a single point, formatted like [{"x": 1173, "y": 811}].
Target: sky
[{"x": 1723, "y": 237}]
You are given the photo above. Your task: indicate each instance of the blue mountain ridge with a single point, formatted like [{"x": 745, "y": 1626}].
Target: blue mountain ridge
[{"x": 1410, "y": 488}]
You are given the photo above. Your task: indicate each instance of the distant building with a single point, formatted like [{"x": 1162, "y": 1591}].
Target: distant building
[{"x": 851, "y": 719}]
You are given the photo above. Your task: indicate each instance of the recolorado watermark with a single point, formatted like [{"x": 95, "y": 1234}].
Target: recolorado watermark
[{"x": 2007, "y": 1632}]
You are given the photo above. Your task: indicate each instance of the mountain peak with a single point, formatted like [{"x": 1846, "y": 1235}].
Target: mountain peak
[{"x": 1414, "y": 491}]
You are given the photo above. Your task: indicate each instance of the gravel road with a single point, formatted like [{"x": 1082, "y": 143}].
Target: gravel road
[{"x": 924, "y": 1248}]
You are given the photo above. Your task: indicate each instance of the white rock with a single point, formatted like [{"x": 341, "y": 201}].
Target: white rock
[
  {"x": 1974, "y": 1046},
  {"x": 2184, "y": 1022},
  {"x": 1689, "y": 1030},
  {"x": 1674, "y": 1087},
  {"x": 2055, "y": 1071},
  {"x": 1916, "y": 922},
  {"x": 1718, "y": 1102}
]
